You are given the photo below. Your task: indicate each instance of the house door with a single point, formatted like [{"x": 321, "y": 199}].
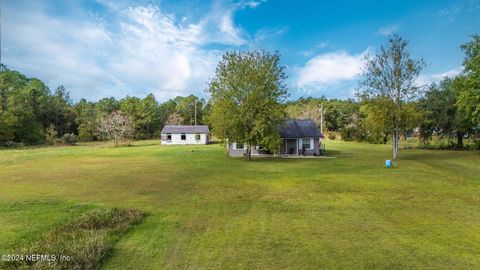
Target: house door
[{"x": 291, "y": 146}]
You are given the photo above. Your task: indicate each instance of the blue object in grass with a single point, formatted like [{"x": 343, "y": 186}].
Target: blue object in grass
[{"x": 388, "y": 163}]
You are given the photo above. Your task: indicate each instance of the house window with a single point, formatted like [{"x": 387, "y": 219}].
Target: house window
[
  {"x": 169, "y": 136},
  {"x": 306, "y": 144},
  {"x": 239, "y": 146},
  {"x": 183, "y": 136},
  {"x": 197, "y": 136}
]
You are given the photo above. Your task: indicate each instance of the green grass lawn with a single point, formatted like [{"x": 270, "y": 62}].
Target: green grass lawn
[{"x": 204, "y": 210}]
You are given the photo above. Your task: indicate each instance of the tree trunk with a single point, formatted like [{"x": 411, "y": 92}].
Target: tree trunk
[
  {"x": 459, "y": 139},
  {"x": 395, "y": 144},
  {"x": 248, "y": 153}
]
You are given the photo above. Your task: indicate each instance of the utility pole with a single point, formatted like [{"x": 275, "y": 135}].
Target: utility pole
[
  {"x": 195, "y": 110},
  {"x": 321, "y": 118}
]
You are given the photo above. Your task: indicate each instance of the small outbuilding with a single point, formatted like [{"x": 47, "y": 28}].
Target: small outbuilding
[
  {"x": 299, "y": 138},
  {"x": 178, "y": 135}
]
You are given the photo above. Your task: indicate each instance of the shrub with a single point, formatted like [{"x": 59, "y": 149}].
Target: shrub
[
  {"x": 475, "y": 145},
  {"x": 51, "y": 135},
  {"x": 86, "y": 240},
  {"x": 69, "y": 139},
  {"x": 84, "y": 133},
  {"x": 12, "y": 144},
  {"x": 347, "y": 133},
  {"x": 332, "y": 135},
  {"x": 352, "y": 133}
]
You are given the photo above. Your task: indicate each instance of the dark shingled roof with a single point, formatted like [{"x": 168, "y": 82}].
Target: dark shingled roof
[
  {"x": 185, "y": 129},
  {"x": 295, "y": 128}
]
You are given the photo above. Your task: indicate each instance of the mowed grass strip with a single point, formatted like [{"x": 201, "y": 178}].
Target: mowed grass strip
[
  {"x": 82, "y": 243},
  {"x": 209, "y": 211}
]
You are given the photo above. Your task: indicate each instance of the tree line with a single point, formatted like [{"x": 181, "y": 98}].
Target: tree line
[
  {"x": 390, "y": 103},
  {"x": 30, "y": 112},
  {"x": 249, "y": 98}
]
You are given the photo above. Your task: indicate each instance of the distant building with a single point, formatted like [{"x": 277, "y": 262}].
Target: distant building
[
  {"x": 300, "y": 137},
  {"x": 175, "y": 135}
]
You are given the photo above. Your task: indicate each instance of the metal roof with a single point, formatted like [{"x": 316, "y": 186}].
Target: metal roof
[
  {"x": 295, "y": 128},
  {"x": 185, "y": 129}
]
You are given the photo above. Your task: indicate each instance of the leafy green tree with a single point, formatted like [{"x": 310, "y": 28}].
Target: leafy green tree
[
  {"x": 469, "y": 97},
  {"x": 336, "y": 112},
  {"x": 463, "y": 119},
  {"x": 165, "y": 110},
  {"x": 130, "y": 106},
  {"x": 247, "y": 95},
  {"x": 149, "y": 117},
  {"x": 7, "y": 126},
  {"x": 60, "y": 112},
  {"x": 144, "y": 115},
  {"x": 391, "y": 75},
  {"x": 106, "y": 106},
  {"x": 191, "y": 108},
  {"x": 378, "y": 118},
  {"x": 29, "y": 106},
  {"x": 441, "y": 114},
  {"x": 86, "y": 120}
]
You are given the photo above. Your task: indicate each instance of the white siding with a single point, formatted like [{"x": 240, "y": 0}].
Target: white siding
[
  {"x": 300, "y": 144},
  {"x": 190, "y": 139}
]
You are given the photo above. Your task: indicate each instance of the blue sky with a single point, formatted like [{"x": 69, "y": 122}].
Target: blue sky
[{"x": 108, "y": 48}]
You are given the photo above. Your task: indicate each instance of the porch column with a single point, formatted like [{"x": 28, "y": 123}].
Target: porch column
[{"x": 298, "y": 145}]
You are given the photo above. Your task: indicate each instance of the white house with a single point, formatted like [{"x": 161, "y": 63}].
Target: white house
[{"x": 174, "y": 135}]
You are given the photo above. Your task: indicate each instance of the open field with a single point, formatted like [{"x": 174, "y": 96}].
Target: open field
[{"x": 204, "y": 210}]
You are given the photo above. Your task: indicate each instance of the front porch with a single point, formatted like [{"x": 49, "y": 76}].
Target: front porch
[{"x": 301, "y": 147}]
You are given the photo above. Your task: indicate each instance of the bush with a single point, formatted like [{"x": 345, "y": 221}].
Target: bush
[
  {"x": 86, "y": 240},
  {"x": 69, "y": 139},
  {"x": 475, "y": 145},
  {"x": 12, "y": 144},
  {"x": 332, "y": 135},
  {"x": 351, "y": 133},
  {"x": 84, "y": 133},
  {"x": 51, "y": 135}
]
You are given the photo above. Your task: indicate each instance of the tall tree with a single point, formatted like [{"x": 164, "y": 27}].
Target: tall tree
[
  {"x": 130, "y": 107},
  {"x": 166, "y": 109},
  {"x": 469, "y": 98},
  {"x": 149, "y": 117},
  {"x": 247, "y": 95},
  {"x": 61, "y": 113},
  {"x": 378, "y": 118},
  {"x": 191, "y": 109},
  {"x": 391, "y": 75},
  {"x": 441, "y": 114}
]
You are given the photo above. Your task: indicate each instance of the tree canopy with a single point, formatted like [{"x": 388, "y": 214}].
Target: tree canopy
[
  {"x": 247, "y": 95},
  {"x": 389, "y": 80}
]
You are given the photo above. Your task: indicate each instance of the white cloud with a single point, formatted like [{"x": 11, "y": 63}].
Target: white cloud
[
  {"x": 264, "y": 36},
  {"x": 437, "y": 77},
  {"x": 321, "y": 45},
  {"x": 138, "y": 50},
  {"x": 329, "y": 68},
  {"x": 218, "y": 26},
  {"x": 251, "y": 4},
  {"x": 388, "y": 30}
]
